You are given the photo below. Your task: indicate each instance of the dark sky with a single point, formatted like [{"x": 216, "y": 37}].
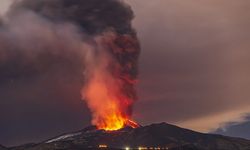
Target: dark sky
[{"x": 194, "y": 72}]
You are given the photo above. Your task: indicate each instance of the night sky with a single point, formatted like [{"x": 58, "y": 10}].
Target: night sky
[{"x": 194, "y": 72}]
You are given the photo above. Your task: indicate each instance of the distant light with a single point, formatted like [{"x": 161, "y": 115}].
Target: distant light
[
  {"x": 103, "y": 146},
  {"x": 127, "y": 148}
]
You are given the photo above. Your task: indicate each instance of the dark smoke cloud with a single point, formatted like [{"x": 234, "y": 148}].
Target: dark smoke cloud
[
  {"x": 94, "y": 16},
  {"x": 42, "y": 50}
]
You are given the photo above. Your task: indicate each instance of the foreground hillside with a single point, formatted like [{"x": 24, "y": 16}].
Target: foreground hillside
[{"x": 161, "y": 135}]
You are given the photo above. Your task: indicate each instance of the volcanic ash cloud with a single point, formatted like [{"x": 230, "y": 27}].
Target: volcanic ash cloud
[{"x": 95, "y": 36}]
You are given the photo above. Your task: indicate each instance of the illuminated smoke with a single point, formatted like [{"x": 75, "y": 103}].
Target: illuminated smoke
[
  {"x": 109, "y": 89},
  {"x": 97, "y": 33}
]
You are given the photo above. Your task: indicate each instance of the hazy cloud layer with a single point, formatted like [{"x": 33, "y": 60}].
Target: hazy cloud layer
[
  {"x": 195, "y": 61},
  {"x": 40, "y": 80},
  {"x": 236, "y": 129},
  {"x": 4, "y": 6}
]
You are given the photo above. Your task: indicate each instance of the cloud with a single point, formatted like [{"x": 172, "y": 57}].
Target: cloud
[
  {"x": 194, "y": 63},
  {"x": 41, "y": 77},
  {"x": 236, "y": 129},
  {"x": 221, "y": 120},
  {"x": 5, "y": 4}
]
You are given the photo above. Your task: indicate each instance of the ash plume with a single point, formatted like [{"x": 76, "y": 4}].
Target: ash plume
[{"x": 94, "y": 37}]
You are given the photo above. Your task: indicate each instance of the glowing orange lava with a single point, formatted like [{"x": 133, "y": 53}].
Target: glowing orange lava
[
  {"x": 108, "y": 112},
  {"x": 115, "y": 122}
]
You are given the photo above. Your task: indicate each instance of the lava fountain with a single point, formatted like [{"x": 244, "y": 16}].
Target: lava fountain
[{"x": 111, "y": 76}]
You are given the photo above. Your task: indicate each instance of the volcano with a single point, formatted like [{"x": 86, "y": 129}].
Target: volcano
[{"x": 155, "y": 136}]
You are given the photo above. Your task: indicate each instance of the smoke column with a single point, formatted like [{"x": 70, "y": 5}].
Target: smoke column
[{"x": 97, "y": 33}]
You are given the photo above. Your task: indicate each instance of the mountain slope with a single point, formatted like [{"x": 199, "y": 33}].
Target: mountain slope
[{"x": 155, "y": 135}]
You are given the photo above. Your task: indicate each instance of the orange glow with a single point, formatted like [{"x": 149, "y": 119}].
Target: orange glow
[
  {"x": 103, "y": 146},
  {"x": 115, "y": 122},
  {"x": 104, "y": 94}
]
